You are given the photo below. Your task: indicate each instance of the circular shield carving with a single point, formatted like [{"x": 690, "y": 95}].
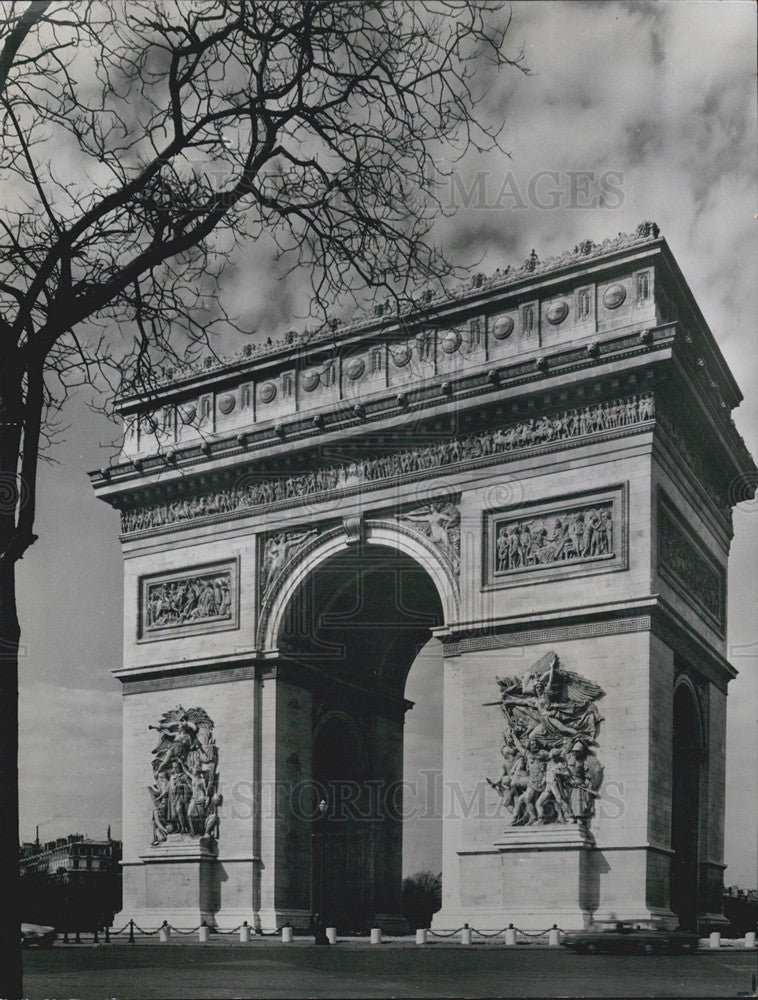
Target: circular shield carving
[
  {"x": 451, "y": 342},
  {"x": 557, "y": 312},
  {"x": 503, "y": 328},
  {"x": 355, "y": 368},
  {"x": 227, "y": 403},
  {"x": 613, "y": 296},
  {"x": 267, "y": 392},
  {"x": 401, "y": 356},
  {"x": 188, "y": 414},
  {"x": 309, "y": 380}
]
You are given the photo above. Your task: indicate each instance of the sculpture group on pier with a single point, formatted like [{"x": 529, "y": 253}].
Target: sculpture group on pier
[
  {"x": 185, "y": 794},
  {"x": 550, "y": 772}
]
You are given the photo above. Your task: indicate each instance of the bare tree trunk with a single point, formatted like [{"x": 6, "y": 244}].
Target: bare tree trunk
[
  {"x": 10, "y": 632},
  {"x": 10, "y": 960}
]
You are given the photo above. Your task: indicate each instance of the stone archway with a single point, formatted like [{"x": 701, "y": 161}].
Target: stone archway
[
  {"x": 685, "y": 804},
  {"x": 405, "y": 541},
  {"x": 353, "y": 625}
]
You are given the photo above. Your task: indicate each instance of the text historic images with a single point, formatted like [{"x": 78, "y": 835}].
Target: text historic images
[
  {"x": 186, "y": 602},
  {"x": 595, "y": 418},
  {"x": 185, "y": 794},
  {"x": 551, "y": 773},
  {"x": 683, "y": 563}
]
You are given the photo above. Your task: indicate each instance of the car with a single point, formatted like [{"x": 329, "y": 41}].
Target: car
[
  {"x": 628, "y": 936},
  {"x": 38, "y": 935}
]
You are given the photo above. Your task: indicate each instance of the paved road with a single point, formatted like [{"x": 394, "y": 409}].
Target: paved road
[{"x": 218, "y": 970}]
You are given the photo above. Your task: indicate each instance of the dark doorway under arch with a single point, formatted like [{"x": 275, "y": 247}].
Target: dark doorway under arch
[
  {"x": 341, "y": 841},
  {"x": 685, "y": 807}
]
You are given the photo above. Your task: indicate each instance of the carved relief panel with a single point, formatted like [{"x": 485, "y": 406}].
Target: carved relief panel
[
  {"x": 440, "y": 522},
  {"x": 690, "y": 569},
  {"x": 185, "y": 602},
  {"x": 574, "y": 535}
]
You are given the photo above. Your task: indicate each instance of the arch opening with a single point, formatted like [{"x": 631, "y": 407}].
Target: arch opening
[
  {"x": 362, "y": 615},
  {"x": 356, "y": 623},
  {"x": 685, "y": 807}
]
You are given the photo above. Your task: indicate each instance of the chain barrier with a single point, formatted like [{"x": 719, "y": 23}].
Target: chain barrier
[{"x": 275, "y": 933}]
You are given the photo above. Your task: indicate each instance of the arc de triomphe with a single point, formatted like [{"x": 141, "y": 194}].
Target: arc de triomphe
[{"x": 535, "y": 470}]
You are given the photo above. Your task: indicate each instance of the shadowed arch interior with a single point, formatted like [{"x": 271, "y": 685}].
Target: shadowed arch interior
[
  {"x": 364, "y": 614},
  {"x": 685, "y": 806}
]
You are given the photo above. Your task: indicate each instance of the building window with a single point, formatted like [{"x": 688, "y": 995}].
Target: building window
[
  {"x": 287, "y": 385},
  {"x": 205, "y": 407},
  {"x": 327, "y": 376},
  {"x": 245, "y": 397},
  {"x": 583, "y": 304},
  {"x": 643, "y": 287}
]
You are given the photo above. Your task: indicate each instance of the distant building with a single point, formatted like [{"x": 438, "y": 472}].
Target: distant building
[
  {"x": 741, "y": 909},
  {"x": 73, "y": 883},
  {"x": 75, "y": 853}
]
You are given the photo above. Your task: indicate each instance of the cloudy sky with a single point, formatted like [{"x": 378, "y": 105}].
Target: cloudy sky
[{"x": 657, "y": 98}]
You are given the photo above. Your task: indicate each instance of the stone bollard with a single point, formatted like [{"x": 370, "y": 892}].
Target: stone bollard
[
  {"x": 750, "y": 939},
  {"x": 331, "y": 935},
  {"x": 510, "y": 935},
  {"x": 287, "y": 935},
  {"x": 553, "y": 937},
  {"x": 165, "y": 933},
  {"x": 203, "y": 933},
  {"x": 421, "y": 933},
  {"x": 714, "y": 941},
  {"x": 466, "y": 934},
  {"x": 245, "y": 933},
  {"x": 376, "y": 935}
]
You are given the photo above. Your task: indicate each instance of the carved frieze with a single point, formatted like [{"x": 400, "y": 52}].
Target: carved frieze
[
  {"x": 440, "y": 522},
  {"x": 185, "y": 793},
  {"x": 188, "y": 601},
  {"x": 550, "y": 771},
  {"x": 568, "y": 536},
  {"x": 686, "y": 565},
  {"x": 548, "y": 430}
]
